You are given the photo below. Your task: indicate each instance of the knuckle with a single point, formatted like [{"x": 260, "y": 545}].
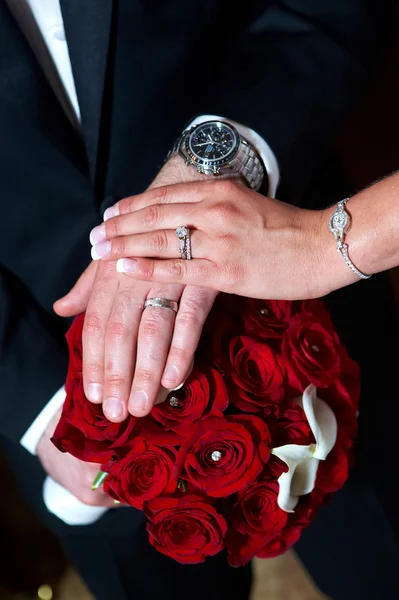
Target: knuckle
[
  {"x": 115, "y": 331},
  {"x": 160, "y": 194},
  {"x": 151, "y": 326},
  {"x": 119, "y": 247},
  {"x": 104, "y": 273},
  {"x": 191, "y": 311},
  {"x": 179, "y": 355},
  {"x": 114, "y": 380},
  {"x": 148, "y": 269},
  {"x": 231, "y": 273},
  {"x": 112, "y": 228},
  {"x": 159, "y": 241},
  {"x": 229, "y": 186},
  {"x": 188, "y": 320},
  {"x": 223, "y": 188},
  {"x": 177, "y": 269},
  {"x": 204, "y": 299},
  {"x": 94, "y": 371},
  {"x": 94, "y": 325},
  {"x": 127, "y": 205},
  {"x": 125, "y": 299},
  {"x": 151, "y": 216},
  {"x": 222, "y": 212},
  {"x": 227, "y": 240},
  {"x": 144, "y": 376}
]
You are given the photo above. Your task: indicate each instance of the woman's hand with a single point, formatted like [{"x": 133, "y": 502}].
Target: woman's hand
[{"x": 242, "y": 242}]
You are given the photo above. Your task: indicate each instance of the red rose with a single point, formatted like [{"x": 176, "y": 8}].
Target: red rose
[
  {"x": 146, "y": 472},
  {"x": 305, "y": 512},
  {"x": 187, "y": 529},
  {"x": 312, "y": 350},
  {"x": 256, "y": 373},
  {"x": 266, "y": 318},
  {"x": 291, "y": 427},
  {"x": 224, "y": 455},
  {"x": 334, "y": 471},
  {"x": 84, "y": 431},
  {"x": 256, "y": 510},
  {"x": 203, "y": 394},
  {"x": 256, "y": 518},
  {"x": 218, "y": 331},
  {"x": 274, "y": 468},
  {"x": 282, "y": 542}
]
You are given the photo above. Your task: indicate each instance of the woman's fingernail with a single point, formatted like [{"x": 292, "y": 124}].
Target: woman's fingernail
[
  {"x": 100, "y": 250},
  {"x": 97, "y": 234},
  {"x": 113, "y": 407},
  {"x": 170, "y": 376},
  {"x": 178, "y": 387},
  {"x": 95, "y": 392},
  {"x": 112, "y": 211},
  {"x": 127, "y": 265},
  {"x": 138, "y": 402}
]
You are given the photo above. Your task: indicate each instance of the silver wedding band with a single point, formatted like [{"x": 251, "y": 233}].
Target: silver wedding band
[
  {"x": 162, "y": 303},
  {"x": 184, "y": 236}
]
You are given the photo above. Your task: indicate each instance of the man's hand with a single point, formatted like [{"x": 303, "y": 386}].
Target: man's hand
[
  {"x": 128, "y": 351},
  {"x": 73, "y": 474}
]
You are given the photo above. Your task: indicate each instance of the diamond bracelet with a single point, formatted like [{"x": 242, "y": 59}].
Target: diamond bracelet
[{"x": 339, "y": 225}]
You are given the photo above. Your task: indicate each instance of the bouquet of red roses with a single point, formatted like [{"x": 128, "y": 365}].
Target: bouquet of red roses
[{"x": 243, "y": 456}]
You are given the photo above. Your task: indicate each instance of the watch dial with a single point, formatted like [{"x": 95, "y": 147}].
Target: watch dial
[{"x": 213, "y": 142}]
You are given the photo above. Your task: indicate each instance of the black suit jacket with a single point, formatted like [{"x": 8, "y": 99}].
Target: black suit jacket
[{"x": 142, "y": 69}]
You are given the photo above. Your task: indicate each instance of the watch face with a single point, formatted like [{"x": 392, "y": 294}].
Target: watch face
[
  {"x": 213, "y": 142},
  {"x": 340, "y": 220}
]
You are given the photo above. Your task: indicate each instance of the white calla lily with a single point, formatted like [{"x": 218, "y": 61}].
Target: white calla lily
[{"x": 303, "y": 461}]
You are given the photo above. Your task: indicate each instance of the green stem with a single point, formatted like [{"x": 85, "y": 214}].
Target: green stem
[{"x": 98, "y": 480}]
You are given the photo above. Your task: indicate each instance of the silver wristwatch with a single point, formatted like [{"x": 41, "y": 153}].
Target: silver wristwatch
[
  {"x": 216, "y": 148},
  {"x": 339, "y": 225}
]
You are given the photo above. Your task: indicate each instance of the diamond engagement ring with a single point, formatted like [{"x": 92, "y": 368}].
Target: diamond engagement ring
[
  {"x": 162, "y": 303},
  {"x": 184, "y": 236}
]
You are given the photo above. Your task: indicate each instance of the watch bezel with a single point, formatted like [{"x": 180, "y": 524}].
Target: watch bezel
[{"x": 213, "y": 164}]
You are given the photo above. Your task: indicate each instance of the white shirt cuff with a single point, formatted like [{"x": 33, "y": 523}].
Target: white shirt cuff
[
  {"x": 260, "y": 145},
  {"x": 61, "y": 503},
  {"x": 31, "y": 438}
]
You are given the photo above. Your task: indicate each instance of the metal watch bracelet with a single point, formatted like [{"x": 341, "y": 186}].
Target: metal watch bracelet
[
  {"x": 339, "y": 226},
  {"x": 250, "y": 165}
]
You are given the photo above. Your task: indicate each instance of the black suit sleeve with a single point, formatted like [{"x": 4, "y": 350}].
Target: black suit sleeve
[
  {"x": 292, "y": 69},
  {"x": 33, "y": 357}
]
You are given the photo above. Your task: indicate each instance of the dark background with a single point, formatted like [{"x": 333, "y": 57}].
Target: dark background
[{"x": 368, "y": 148}]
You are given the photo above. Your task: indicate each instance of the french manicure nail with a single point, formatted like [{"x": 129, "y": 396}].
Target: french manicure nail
[
  {"x": 138, "y": 402},
  {"x": 113, "y": 407},
  {"x": 178, "y": 387},
  {"x": 100, "y": 250},
  {"x": 170, "y": 376},
  {"x": 97, "y": 234},
  {"x": 112, "y": 211},
  {"x": 95, "y": 392},
  {"x": 127, "y": 265}
]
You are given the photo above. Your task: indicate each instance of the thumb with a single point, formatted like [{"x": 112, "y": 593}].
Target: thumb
[{"x": 76, "y": 300}]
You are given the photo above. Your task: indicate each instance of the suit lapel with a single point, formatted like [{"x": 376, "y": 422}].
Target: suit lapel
[{"x": 87, "y": 27}]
